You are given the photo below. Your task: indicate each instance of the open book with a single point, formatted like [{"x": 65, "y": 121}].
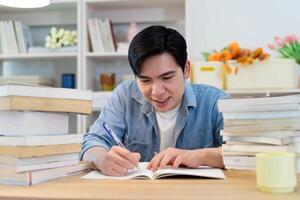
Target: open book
[{"x": 143, "y": 173}]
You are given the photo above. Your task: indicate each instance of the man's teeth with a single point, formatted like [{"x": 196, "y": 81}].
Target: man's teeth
[{"x": 161, "y": 101}]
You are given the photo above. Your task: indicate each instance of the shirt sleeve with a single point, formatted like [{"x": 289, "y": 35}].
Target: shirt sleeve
[{"x": 113, "y": 115}]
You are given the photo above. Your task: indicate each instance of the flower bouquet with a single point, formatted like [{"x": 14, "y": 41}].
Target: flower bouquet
[
  {"x": 60, "y": 38},
  {"x": 288, "y": 47}
]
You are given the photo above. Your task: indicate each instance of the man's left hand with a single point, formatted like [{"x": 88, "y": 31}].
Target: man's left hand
[{"x": 175, "y": 157}]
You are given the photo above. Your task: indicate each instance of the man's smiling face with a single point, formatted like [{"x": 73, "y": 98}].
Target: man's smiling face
[{"x": 161, "y": 81}]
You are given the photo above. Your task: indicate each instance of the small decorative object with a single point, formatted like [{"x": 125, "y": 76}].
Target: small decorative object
[
  {"x": 288, "y": 47},
  {"x": 107, "y": 81},
  {"x": 243, "y": 57},
  {"x": 68, "y": 81},
  {"x": 133, "y": 29},
  {"x": 60, "y": 38}
]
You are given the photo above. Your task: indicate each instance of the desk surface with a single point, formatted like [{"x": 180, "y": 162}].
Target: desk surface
[{"x": 238, "y": 185}]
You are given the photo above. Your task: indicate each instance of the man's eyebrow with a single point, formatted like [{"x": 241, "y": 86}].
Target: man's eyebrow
[{"x": 164, "y": 74}]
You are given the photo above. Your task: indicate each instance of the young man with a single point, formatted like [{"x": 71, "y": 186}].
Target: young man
[{"x": 159, "y": 117}]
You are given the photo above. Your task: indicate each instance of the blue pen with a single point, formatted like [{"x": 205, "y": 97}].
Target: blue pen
[{"x": 114, "y": 136}]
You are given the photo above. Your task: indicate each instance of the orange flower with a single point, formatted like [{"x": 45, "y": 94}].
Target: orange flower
[
  {"x": 214, "y": 57},
  {"x": 225, "y": 55},
  {"x": 234, "y": 48}
]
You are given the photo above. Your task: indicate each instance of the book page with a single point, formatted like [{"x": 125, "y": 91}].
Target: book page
[
  {"x": 203, "y": 171},
  {"x": 136, "y": 173},
  {"x": 143, "y": 173}
]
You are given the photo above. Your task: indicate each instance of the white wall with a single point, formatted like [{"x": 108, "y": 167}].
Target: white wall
[{"x": 212, "y": 24}]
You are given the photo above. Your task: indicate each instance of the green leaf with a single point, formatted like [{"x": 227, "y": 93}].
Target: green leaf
[{"x": 205, "y": 55}]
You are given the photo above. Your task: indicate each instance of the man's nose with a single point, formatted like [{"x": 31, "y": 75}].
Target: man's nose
[{"x": 158, "y": 88}]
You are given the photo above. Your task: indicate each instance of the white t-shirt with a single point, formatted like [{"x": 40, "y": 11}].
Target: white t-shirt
[{"x": 166, "y": 123}]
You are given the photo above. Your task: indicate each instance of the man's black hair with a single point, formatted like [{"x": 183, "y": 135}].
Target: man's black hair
[{"x": 155, "y": 40}]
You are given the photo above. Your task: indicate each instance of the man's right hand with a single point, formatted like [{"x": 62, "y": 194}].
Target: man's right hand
[{"x": 116, "y": 162}]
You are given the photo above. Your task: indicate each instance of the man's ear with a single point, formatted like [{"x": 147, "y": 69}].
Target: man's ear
[{"x": 187, "y": 70}]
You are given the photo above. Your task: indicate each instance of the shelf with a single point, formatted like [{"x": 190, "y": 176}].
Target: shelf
[
  {"x": 121, "y": 4},
  {"x": 107, "y": 56},
  {"x": 38, "y": 56}
]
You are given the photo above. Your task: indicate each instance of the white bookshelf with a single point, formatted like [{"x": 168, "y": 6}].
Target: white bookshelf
[
  {"x": 62, "y": 14},
  {"x": 85, "y": 64}
]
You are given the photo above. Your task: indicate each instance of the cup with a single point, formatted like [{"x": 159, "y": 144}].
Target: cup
[
  {"x": 68, "y": 81},
  {"x": 107, "y": 81},
  {"x": 276, "y": 172}
]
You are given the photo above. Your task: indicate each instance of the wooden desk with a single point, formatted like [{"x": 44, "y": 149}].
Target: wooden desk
[{"x": 238, "y": 185}]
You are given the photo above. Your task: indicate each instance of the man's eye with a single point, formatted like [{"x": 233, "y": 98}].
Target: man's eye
[
  {"x": 167, "y": 77},
  {"x": 145, "y": 80}
]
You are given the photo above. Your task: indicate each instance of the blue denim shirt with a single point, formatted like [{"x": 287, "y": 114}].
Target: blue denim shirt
[{"x": 133, "y": 119}]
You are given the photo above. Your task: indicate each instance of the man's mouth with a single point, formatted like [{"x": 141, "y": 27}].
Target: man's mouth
[{"x": 161, "y": 101}]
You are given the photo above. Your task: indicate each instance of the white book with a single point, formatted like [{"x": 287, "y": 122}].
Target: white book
[
  {"x": 261, "y": 128},
  {"x": 24, "y": 36},
  {"x": 92, "y": 35},
  {"x": 260, "y": 108},
  {"x": 246, "y": 162},
  {"x": 143, "y": 173},
  {"x": 110, "y": 32},
  {"x": 260, "y": 148},
  {"x": 13, "y": 160},
  {"x": 228, "y": 103},
  {"x": 14, "y": 123},
  {"x": 29, "y": 178},
  {"x": 238, "y": 167},
  {"x": 261, "y": 115},
  {"x": 13, "y": 38},
  {"x": 44, "y": 92},
  {"x": 269, "y": 122},
  {"x": 4, "y": 38},
  {"x": 263, "y": 134},
  {"x": 1, "y": 38},
  {"x": 18, "y": 29},
  {"x": 260, "y": 139},
  {"x": 98, "y": 35},
  {"x": 106, "y": 37},
  {"x": 39, "y": 140},
  {"x": 40, "y": 166},
  {"x": 239, "y": 161}
]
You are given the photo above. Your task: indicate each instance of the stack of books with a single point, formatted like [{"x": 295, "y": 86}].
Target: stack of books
[
  {"x": 253, "y": 125},
  {"x": 35, "y": 143}
]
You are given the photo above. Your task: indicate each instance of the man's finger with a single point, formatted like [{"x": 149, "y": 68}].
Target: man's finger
[
  {"x": 119, "y": 159},
  {"x": 178, "y": 160},
  {"x": 166, "y": 160},
  {"x": 156, "y": 161}
]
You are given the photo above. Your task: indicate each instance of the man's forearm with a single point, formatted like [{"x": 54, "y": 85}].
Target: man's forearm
[{"x": 94, "y": 155}]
